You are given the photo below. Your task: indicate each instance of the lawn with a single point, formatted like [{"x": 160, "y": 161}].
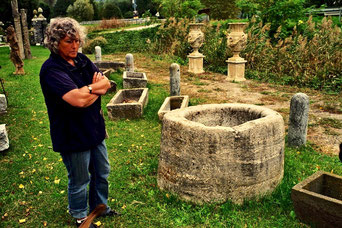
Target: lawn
[{"x": 33, "y": 183}]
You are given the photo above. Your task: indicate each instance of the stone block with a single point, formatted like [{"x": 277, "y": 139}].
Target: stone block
[
  {"x": 317, "y": 200},
  {"x": 4, "y": 141},
  {"x": 236, "y": 70},
  {"x": 218, "y": 152},
  {"x": 196, "y": 64},
  {"x": 3, "y": 103},
  {"x": 172, "y": 103},
  {"x": 134, "y": 80},
  {"x": 128, "y": 104}
]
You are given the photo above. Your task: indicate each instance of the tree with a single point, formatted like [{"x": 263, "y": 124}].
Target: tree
[
  {"x": 81, "y": 10},
  {"x": 285, "y": 13},
  {"x": 6, "y": 10},
  {"x": 111, "y": 10},
  {"x": 328, "y": 3},
  {"x": 221, "y": 9},
  {"x": 60, "y": 8},
  {"x": 179, "y": 8}
]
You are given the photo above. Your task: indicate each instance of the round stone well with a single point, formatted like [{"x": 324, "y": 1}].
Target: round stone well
[{"x": 218, "y": 152}]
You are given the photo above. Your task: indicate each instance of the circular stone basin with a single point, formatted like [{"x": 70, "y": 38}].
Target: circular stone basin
[{"x": 219, "y": 152}]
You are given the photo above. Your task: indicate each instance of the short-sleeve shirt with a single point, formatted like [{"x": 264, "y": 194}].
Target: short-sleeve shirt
[{"x": 72, "y": 128}]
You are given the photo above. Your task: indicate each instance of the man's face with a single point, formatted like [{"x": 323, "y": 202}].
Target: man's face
[{"x": 68, "y": 47}]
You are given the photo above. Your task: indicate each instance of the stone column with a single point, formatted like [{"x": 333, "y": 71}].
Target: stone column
[
  {"x": 39, "y": 23},
  {"x": 17, "y": 25},
  {"x": 237, "y": 41},
  {"x": 129, "y": 62},
  {"x": 27, "y": 47},
  {"x": 4, "y": 141},
  {"x": 196, "y": 39},
  {"x": 174, "y": 80},
  {"x": 298, "y": 120},
  {"x": 98, "y": 56}
]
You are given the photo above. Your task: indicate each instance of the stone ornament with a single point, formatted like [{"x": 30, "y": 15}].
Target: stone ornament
[
  {"x": 196, "y": 37},
  {"x": 236, "y": 41},
  {"x": 15, "y": 53}
]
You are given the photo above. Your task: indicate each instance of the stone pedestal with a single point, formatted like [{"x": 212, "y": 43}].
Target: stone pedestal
[
  {"x": 236, "y": 70},
  {"x": 39, "y": 24},
  {"x": 196, "y": 63}
]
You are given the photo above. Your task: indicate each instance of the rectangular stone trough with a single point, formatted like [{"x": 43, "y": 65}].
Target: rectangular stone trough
[
  {"x": 318, "y": 200},
  {"x": 105, "y": 65},
  {"x": 134, "y": 80},
  {"x": 172, "y": 103},
  {"x": 128, "y": 104}
]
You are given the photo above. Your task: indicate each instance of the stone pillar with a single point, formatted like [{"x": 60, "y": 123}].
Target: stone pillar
[
  {"x": 129, "y": 62},
  {"x": 196, "y": 39},
  {"x": 174, "y": 80},
  {"x": 298, "y": 120},
  {"x": 17, "y": 25},
  {"x": 4, "y": 142},
  {"x": 237, "y": 41},
  {"x": 39, "y": 24},
  {"x": 98, "y": 56},
  {"x": 27, "y": 47}
]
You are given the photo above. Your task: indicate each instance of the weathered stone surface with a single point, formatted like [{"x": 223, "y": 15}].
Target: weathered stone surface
[
  {"x": 172, "y": 103},
  {"x": 212, "y": 153},
  {"x": 26, "y": 40},
  {"x": 15, "y": 53},
  {"x": 98, "y": 55},
  {"x": 196, "y": 63},
  {"x": 105, "y": 65},
  {"x": 4, "y": 142},
  {"x": 129, "y": 62},
  {"x": 134, "y": 80},
  {"x": 3, "y": 103},
  {"x": 298, "y": 120},
  {"x": 113, "y": 87},
  {"x": 318, "y": 200},
  {"x": 128, "y": 103},
  {"x": 174, "y": 80}
]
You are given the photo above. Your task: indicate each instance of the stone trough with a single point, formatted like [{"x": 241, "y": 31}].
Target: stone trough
[
  {"x": 128, "y": 104},
  {"x": 218, "y": 152},
  {"x": 318, "y": 200},
  {"x": 105, "y": 65},
  {"x": 172, "y": 103},
  {"x": 134, "y": 80}
]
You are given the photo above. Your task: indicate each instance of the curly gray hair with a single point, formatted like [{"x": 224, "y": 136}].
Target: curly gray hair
[{"x": 59, "y": 28}]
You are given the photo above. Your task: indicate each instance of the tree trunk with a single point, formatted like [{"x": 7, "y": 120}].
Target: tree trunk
[
  {"x": 27, "y": 48},
  {"x": 17, "y": 25}
]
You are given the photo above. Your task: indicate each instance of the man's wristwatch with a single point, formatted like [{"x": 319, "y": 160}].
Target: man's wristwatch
[{"x": 90, "y": 89}]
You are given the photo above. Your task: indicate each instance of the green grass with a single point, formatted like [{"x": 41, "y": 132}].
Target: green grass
[{"x": 133, "y": 149}]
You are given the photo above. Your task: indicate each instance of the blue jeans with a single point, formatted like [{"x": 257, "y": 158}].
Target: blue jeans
[{"x": 79, "y": 165}]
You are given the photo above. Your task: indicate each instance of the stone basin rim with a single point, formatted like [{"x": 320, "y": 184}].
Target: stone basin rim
[{"x": 179, "y": 115}]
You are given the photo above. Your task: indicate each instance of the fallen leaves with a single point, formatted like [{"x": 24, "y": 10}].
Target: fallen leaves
[
  {"x": 21, "y": 186},
  {"x": 22, "y": 221}
]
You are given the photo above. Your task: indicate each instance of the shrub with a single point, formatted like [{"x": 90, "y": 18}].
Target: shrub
[
  {"x": 81, "y": 10},
  {"x": 111, "y": 10},
  {"x": 90, "y": 45},
  {"x": 171, "y": 38}
]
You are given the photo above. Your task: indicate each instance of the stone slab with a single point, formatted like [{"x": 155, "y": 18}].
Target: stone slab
[
  {"x": 4, "y": 141},
  {"x": 128, "y": 104},
  {"x": 318, "y": 200},
  {"x": 3, "y": 103}
]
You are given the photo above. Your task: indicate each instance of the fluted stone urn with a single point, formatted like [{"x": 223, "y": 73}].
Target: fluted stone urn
[
  {"x": 196, "y": 39},
  {"x": 236, "y": 41}
]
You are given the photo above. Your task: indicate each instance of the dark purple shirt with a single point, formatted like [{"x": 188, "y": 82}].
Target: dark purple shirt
[{"x": 72, "y": 129}]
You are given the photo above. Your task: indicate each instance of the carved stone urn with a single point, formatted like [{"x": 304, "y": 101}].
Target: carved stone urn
[
  {"x": 196, "y": 39},
  {"x": 236, "y": 41}
]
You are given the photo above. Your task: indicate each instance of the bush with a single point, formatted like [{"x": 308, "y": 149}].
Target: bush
[
  {"x": 311, "y": 56},
  {"x": 111, "y": 10},
  {"x": 90, "y": 45},
  {"x": 81, "y": 10}
]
